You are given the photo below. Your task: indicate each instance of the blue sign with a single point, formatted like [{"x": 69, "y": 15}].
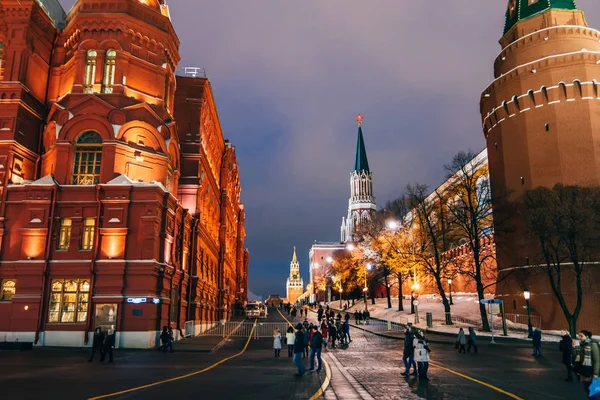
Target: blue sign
[
  {"x": 136, "y": 300},
  {"x": 490, "y": 301}
]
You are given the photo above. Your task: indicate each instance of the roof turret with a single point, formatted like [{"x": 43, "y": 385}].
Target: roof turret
[
  {"x": 519, "y": 10},
  {"x": 360, "y": 163}
]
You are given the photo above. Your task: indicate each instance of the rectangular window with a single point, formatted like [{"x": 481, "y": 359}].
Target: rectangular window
[
  {"x": 87, "y": 239},
  {"x": 64, "y": 237},
  {"x": 86, "y": 168},
  {"x": 69, "y": 300},
  {"x": 8, "y": 289}
]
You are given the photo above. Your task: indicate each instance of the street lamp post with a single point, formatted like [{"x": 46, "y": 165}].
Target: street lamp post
[
  {"x": 450, "y": 285},
  {"x": 527, "y": 295},
  {"x": 340, "y": 296}
]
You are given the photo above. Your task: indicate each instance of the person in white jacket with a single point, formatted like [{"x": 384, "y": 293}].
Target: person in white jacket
[{"x": 422, "y": 357}]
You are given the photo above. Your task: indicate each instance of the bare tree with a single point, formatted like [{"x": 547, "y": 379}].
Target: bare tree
[
  {"x": 427, "y": 236},
  {"x": 565, "y": 223},
  {"x": 469, "y": 219}
]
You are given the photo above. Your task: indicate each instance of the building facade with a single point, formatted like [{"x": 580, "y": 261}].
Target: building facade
[
  {"x": 294, "y": 285},
  {"x": 541, "y": 121},
  {"x": 120, "y": 199}
]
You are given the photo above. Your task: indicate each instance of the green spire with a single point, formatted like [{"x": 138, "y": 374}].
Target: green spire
[
  {"x": 518, "y": 10},
  {"x": 360, "y": 163}
]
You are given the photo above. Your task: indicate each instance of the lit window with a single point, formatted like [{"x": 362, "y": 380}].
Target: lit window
[
  {"x": 109, "y": 71},
  {"x": 64, "y": 236},
  {"x": 87, "y": 240},
  {"x": 88, "y": 158},
  {"x": 90, "y": 72},
  {"x": 1, "y": 61},
  {"x": 69, "y": 300},
  {"x": 9, "y": 287}
]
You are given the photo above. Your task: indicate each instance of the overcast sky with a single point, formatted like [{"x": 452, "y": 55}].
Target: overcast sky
[{"x": 289, "y": 76}]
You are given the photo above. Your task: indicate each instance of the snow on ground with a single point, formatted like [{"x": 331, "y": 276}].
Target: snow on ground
[{"x": 465, "y": 311}]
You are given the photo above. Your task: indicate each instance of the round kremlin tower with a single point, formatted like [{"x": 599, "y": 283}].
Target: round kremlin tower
[{"x": 541, "y": 121}]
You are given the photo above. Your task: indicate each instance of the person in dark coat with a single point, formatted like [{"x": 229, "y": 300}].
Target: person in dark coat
[
  {"x": 320, "y": 313},
  {"x": 472, "y": 340},
  {"x": 566, "y": 348},
  {"x": 299, "y": 350},
  {"x": 164, "y": 339},
  {"x": 109, "y": 343},
  {"x": 408, "y": 353},
  {"x": 316, "y": 346},
  {"x": 537, "y": 342},
  {"x": 97, "y": 344}
]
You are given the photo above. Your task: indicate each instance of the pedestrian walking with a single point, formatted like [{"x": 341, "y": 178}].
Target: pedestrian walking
[
  {"x": 164, "y": 339},
  {"x": 472, "y": 340},
  {"x": 320, "y": 313},
  {"x": 347, "y": 331},
  {"x": 422, "y": 357},
  {"x": 408, "y": 353},
  {"x": 289, "y": 338},
  {"x": 299, "y": 350},
  {"x": 301, "y": 311},
  {"x": 171, "y": 339},
  {"x": 109, "y": 343},
  {"x": 316, "y": 345},
  {"x": 367, "y": 316},
  {"x": 461, "y": 341},
  {"x": 277, "y": 342},
  {"x": 306, "y": 334},
  {"x": 97, "y": 343},
  {"x": 324, "y": 330},
  {"x": 537, "y": 343},
  {"x": 332, "y": 333},
  {"x": 588, "y": 366},
  {"x": 566, "y": 348}
]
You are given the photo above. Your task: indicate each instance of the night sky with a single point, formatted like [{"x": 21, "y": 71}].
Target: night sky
[{"x": 289, "y": 78}]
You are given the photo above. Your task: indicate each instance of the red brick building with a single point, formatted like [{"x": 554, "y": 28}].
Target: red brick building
[
  {"x": 120, "y": 199},
  {"x": 541, "y": 120}
]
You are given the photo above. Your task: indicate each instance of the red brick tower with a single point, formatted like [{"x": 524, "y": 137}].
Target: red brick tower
[{"x": 541, "y": 120}]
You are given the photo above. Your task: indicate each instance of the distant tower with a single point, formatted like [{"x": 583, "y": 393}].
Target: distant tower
[
  {"x": 361, "y": 206},
  {"x": 294, "y": 283}
]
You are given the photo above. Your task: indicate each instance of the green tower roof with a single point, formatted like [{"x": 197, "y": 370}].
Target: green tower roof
[
  {"x": 518, "y": 10},
  {"x": 361, "y": 163}
]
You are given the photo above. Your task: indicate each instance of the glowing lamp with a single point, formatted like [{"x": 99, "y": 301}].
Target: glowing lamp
[
  {"x": 450, "y": 281},
  {"x": 527, "y": 294},
  {"x": 329, "y": 260},
  {"x": 350, "y": 247}
]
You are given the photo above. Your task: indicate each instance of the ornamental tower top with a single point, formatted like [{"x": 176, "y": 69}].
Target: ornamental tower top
[
  {"x": 294, "y": 284},
  {"x": 361, "y": 206}
]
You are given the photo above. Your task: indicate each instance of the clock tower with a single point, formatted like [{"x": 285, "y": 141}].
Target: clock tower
[{"x": 294, "y": 284}]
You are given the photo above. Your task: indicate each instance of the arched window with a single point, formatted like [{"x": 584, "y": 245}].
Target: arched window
[
  {"x": 88, "y": 158},
  {"x": 1, "y": 61},
  {"x": 90, "y": 71},
  {"x": 109, "y": 71}
]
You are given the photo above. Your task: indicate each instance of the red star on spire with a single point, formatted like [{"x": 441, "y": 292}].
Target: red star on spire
[{"x": 359, "y": 119}]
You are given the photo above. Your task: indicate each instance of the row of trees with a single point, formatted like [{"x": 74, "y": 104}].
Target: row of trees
[{"x": 412, "y": 236}]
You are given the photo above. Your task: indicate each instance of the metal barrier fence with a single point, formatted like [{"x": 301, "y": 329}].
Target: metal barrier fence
[
  {"x": 520, "y": 319},
  {"x": 244, "y": 328}
]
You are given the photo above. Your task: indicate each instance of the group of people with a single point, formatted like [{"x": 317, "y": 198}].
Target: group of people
[
  {"x": 415, "y": 354},
  {"x": 334, "y": 329},
  {"x": 294, "y": 309},
  {"x": 582, "y": 357},
  {"x": 464, "y": 340},
  {"x": 103, "y": 344},
  {"x": 166, "y": 339},
  {"x": 306, "y": 340}
]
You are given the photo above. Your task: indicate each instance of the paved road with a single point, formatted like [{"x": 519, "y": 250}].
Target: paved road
[
  {"x": 66, "y": 374},
  {"x": 371, "y": 365}
]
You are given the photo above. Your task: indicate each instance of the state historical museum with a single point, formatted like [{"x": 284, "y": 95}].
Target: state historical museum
[{"x": 120, "y": 199}]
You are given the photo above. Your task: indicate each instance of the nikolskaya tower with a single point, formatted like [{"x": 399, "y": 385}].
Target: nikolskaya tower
[{"x": 361, "y": 206}]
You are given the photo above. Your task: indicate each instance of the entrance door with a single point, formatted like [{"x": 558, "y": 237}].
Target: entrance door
[{"x": 105, "y": 317}]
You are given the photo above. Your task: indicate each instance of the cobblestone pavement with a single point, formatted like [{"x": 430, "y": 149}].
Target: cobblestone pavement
[{"x": 371, "y": 366}]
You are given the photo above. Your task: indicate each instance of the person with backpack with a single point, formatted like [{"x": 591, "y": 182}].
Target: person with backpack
[
  {"x": 316, "y": 345},
  {"x": 588, "y": 366},
  {"x": 537, "y": 343}
]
